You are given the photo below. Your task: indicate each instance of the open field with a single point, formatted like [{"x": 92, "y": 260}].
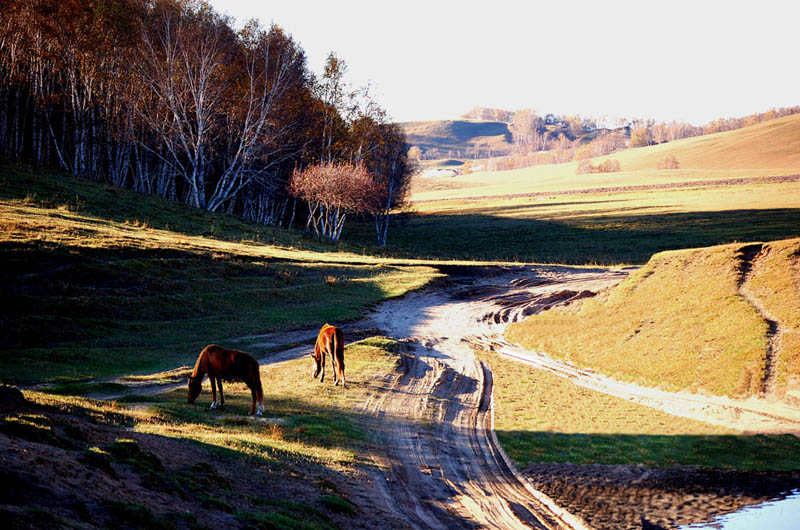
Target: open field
[
  {"x": 607, "y": 228},
  {"x": 98, "y": 281},
  {"x": 683, "y": 322},
  {"x": 766, "y": 149},
  {"x": 157, "y": 462},
  {"x": 612, "y": 461},
  {"x": 541, "y": 417}
]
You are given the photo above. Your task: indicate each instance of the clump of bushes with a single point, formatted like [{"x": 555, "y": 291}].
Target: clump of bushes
[
  {"x": 669, "y": 162},
  {"x": 607, "y": 166}
]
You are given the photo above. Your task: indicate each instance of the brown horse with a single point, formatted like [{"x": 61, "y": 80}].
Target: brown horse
[
  {"x": 330, "y": 340},
  {"x": 220, "y": 363}
]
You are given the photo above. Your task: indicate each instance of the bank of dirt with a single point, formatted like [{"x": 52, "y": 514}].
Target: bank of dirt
[{"x": 619, "y": 497}]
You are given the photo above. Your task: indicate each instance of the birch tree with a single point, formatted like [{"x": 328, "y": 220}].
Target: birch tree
[{"x": 206, "y": 95}]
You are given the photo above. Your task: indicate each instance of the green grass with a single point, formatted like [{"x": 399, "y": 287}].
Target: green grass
[
  {"x": 541, "y": 417},
  {"x": 311, "y": 433},
  {"x": 610, "y": 228},
  {"x": 308, "y": 420},
  {"x": 91, "y": 294},
  {"x": 678, "y": 323}
]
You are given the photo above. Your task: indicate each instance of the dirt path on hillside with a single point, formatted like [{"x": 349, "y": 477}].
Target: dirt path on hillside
[{"x": 752, "y": 256}]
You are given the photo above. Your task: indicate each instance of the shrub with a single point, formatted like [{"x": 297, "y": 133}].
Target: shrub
[
  {"x": 669, "y": 162},
  {"x": 607, "y": 166}
]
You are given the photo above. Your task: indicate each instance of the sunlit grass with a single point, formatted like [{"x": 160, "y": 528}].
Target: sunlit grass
[
  {"x": 678, "y": 323},
  {"x": 541, "y": 417},
  {"x": 305, "y": 419},
  {"x": 765, "y": 149}
]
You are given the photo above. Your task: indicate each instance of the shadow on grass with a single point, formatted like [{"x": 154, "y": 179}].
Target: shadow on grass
[
  {"x": 74, "y": 313},
  {"x": 606, "y": 240},
  {"x": 743, "y": 452},
  {"x": 53, "y": 189}
]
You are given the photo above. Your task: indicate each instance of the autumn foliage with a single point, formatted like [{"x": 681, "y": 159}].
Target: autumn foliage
[
  {"x": 172, "y": 98},
  {"x": 333, "y": 190}
]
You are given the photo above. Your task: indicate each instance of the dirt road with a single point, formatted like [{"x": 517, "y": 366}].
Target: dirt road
[{"x": 443, "y": 467}]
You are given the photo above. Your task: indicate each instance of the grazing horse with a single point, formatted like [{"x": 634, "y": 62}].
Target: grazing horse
[
  {"x": 220, "y": 363},
  {"x": 330, "y": 340}
]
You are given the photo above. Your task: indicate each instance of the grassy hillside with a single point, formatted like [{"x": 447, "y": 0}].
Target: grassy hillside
[
  {"x": 682, "y": 322},
  {"x": 769, "y": 145},
  {"x": 98, "y": 281},
  {"x": 765, "y": 149},
  {"x": 458, "y": 135}
]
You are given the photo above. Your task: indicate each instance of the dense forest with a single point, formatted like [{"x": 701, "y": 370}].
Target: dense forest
[{"x": 168, "y": 97}]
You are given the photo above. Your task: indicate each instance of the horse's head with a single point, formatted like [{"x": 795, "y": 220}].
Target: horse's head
[
  {"x": 317, "y": 365},
  {"x": 195, "y": 385}
]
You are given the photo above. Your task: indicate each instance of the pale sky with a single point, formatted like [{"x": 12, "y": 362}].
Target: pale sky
[{"x": 685, "y": 60}]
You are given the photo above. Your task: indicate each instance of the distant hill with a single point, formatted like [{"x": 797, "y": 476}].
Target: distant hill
[
  {"x": 773, "y": 144},
  {"x": 442, "y": 139},
  {"x": 459, "y": 138},
  {"x": 767, "y": 149}
]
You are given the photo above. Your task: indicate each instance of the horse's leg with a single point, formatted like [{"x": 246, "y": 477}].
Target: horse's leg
[
  {"x": 322, "y": 369},
  {"x": 335, "y": 366},
  {"x": 255, "y": 397},
  {"x": 213, "y": 392},
  {"x": 341, "y": 374},
  {"x": 221, "y": 395}
]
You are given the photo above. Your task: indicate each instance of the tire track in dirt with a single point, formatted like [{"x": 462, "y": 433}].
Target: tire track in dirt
[
  {"x": 751, "y": 256},
  {"x": 443, "y": 466}
]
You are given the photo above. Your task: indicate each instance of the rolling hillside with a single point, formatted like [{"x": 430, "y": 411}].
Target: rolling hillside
[
  {"x": 458, "y": 136},
  {"x": 671, "y": 323},
  {"x": 770, "y": 148},
  {"x": 773, "y": 145}
]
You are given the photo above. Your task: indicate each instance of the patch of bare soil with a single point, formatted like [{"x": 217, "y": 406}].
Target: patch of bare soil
[
  {"x": 619, "y": 497},
  {"x": 74, "y": 469}
]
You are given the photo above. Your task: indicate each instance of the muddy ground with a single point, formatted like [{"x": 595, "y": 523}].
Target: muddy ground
[{"x": 619, "y": 497}]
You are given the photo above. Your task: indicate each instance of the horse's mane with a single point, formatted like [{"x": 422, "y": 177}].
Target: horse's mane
[{"x": 201, "y": 366}]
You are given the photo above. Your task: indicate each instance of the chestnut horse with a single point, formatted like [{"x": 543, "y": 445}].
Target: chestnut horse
[
  {"x": 220, "y": 363},
  {"x": 330, "y": 340}
]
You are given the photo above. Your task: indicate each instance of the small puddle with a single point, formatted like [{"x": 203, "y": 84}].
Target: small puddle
[{"x": 782, "y": 514}]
